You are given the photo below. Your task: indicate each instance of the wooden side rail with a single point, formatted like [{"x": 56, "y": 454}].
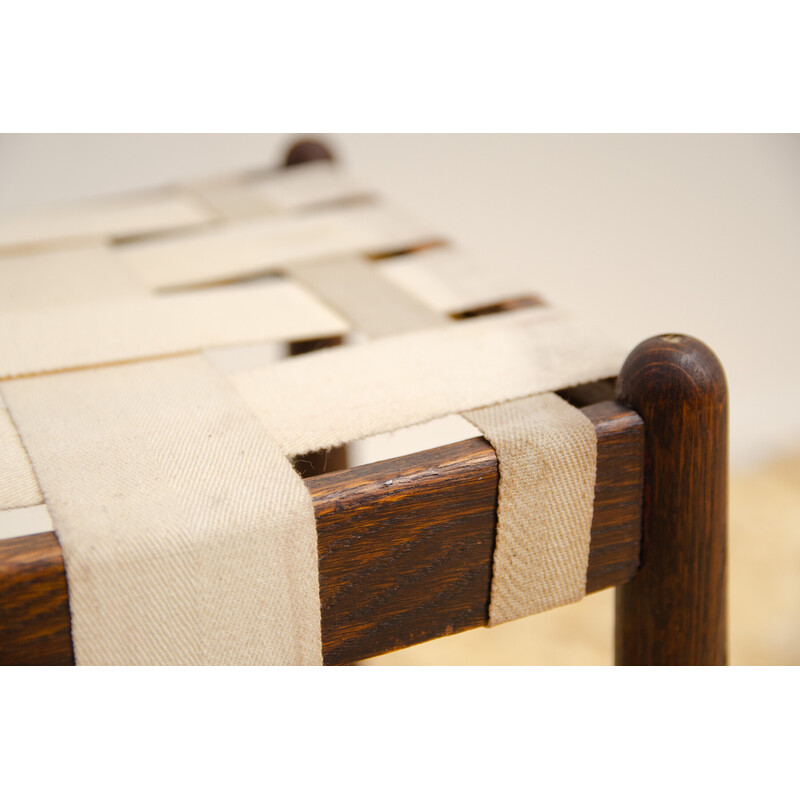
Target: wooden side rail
[{"x": 405, "y": 548}]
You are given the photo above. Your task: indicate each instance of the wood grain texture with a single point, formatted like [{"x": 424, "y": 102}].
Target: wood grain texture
[
  {"x": 34, "y": 610},
  {"x": 406, "y": 545},
  {"x": 674, "y": 611},
  {"x": 405, "y": 548}
]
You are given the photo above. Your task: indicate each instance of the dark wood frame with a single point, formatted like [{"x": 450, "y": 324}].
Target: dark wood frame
[
  {"x": 405, "y": 548},
  {"x": 674, "y": 610},
  {"x": 406, "y": 545}
]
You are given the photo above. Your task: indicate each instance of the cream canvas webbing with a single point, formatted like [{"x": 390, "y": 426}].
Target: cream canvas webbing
[
  {"x": 68, "y": 337},
  {"x": 547, "y": 455},
  {"x": 20, "y": 488},
  {"x": 403, "y": 380},
  {"x": 187, "y": 536},
  {"x": 96, "y": 221},
  {"x": 304, "y": 186},
  {"x": 373, "y": 305},
  {"x": 192, "y": 540},
  {"x": 444, "y": 279},
  {"x": 242, "y": 249},
  {"x": 53, "y": 278}
]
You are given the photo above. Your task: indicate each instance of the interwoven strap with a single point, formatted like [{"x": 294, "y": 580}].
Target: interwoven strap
[
  {"x": 19, "y": 485},
  {"x": 77, "y": 276},
  {"x": 187, "y": 536},
  {"x": 244, "y": 249},
  {"x": 372, "y": 304},
  {"x": 47, "y": 340},
  {"x": 102, "y": 220},
  {"x": 547, "y": 456},
  {"x": 304, "y": 186},
  {"x": 445, "y": 280},
  {"x": 403, "y": 380}
]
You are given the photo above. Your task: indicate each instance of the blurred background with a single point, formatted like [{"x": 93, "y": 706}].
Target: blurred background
[{"x": 643, "y": 234}]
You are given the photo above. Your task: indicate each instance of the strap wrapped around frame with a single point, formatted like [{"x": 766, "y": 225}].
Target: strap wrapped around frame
[{"x": 186, "y": 534}]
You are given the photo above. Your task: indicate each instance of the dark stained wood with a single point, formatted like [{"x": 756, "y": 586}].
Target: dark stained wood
[
  {"x": 529, "y": 301},
  {"x": 585, "y": 394},
  {"x": 405, "y": 548},
  {"x": 416, "y": 248},
  {"x": 311, "y": 345},
  {"x": 617, "y": 519},
  {"x": 674, "y": 611},
  {"x": 34, "y": 610},
  {"x": 320, "y": 462},
  {"x": 307, "y": 150}
]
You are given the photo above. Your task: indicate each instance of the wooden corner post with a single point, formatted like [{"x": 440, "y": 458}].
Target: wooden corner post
[{"x": 673, "y": 612}]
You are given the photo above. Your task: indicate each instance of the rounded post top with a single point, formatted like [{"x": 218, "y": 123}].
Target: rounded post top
[
  {"x": 673, "y": 611},
  {"x": 675, "y": 366},
  {"x": 306, "y": 150}
]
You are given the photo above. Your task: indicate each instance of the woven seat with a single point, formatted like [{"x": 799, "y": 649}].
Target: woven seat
[{"x": 388, "y": 326}]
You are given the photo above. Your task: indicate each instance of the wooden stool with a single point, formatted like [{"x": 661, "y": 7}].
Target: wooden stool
[{"x": 406, "y": 545}]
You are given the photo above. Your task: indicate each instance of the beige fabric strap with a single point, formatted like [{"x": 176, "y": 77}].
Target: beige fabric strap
[
  {"x": 232, "y": 200},
  {"x": 187, "y": 536},
  {"x": 18, "y": 485},
  {"x": 102, "y": 219},
  {"x": 191, "y": 540},
  {"x": 243, "y": 249},
  {"x": 283, "y": 190},
  {"x": 65, "y": 277},
  {"x": 373, "y": 305},
  {"x": 306, "y": 185},
  {"x": 390, "y": 383},
  {"x": 87, "y": 335},
  {"x": 547, "y": 454},
  {"x": 445, "y": 280}
]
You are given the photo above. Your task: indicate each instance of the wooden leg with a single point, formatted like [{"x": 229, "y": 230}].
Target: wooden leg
[
  {"x": 322, "y": 461},
  {"x": 673, "y": 611}
]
